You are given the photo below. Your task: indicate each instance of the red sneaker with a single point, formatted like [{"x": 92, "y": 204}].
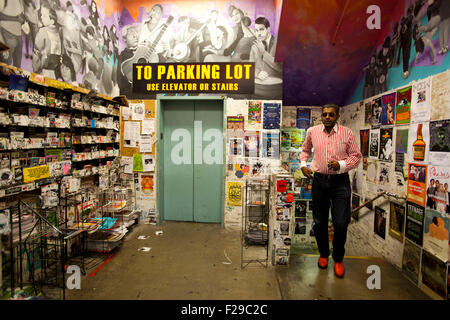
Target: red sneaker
[
  {"x": 339, "y": 269},
  {"x": 322, "y": 263}
]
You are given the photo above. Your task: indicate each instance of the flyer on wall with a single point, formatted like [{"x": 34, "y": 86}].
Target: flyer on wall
[
  {"x": 374, "y": 144},
  {"x": 421, "y": 101},
  {"x": 403, "y": 106},
  {"x": 440, "y": 142},
  {"x": 417, "y": 178}
]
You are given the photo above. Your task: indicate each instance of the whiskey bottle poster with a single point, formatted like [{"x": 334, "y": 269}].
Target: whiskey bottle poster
[
  {"x": 403, "y": 107},
  {"x": 386, "y": 144},
  {"x": 417, "y": 178},
  {"x": 421, "y": 101},
  {"x": 419, "y": 142},
  {"x": 440, "y": 142},
  {"x": 374, "y": 143}
]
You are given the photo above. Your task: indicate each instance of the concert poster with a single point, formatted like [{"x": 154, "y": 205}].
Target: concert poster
[
  {"x": 379, "y": 224},
  {"x": 415, "y": 215},
  {"x": 388, "y": 109},
  {"x": 364, "y": 139},
  {"x": 403, "y": 107},
  {"x": 434, "y": 273},
  {"x": 397, "y": 220},
  {"x": 303, "y": 120},
  {"x": 440, "y": 142},
  {"x": 272, "y": 116},
  {"x": 417, "y": 183},
  {"x": 386, "y": 144}
]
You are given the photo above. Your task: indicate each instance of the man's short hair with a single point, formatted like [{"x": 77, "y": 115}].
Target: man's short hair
[
  {"x": 264, "y": 21},
  {"x": 127, "y": 29},
  {"x": 332, "y": 105}
]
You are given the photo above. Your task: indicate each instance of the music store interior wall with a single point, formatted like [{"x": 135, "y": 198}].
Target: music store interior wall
[{"x": 127, "y": 127}]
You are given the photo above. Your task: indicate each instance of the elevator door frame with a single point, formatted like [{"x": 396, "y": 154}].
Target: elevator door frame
[{"x": 160, "y": 148}]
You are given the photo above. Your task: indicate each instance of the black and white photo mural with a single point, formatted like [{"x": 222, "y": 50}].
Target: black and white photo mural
[{"x": 95, "y": 43}]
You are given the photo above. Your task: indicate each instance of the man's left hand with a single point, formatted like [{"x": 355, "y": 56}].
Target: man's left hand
[{"x": 333, "y": 165}]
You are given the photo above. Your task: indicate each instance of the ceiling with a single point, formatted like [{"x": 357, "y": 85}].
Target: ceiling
[{"x": 317, "y": 72}]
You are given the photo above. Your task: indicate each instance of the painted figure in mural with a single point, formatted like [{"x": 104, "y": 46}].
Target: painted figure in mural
[
  {"x": 395, "y": 44},
  {"x": 184, "y": 44},
  {"x": 371, "y": 78},
  {"x": 130, "y": 34},
  {"x": 71, "y": 36},
  {"x": 444, "y": 27},
  {"x": 47, "y": 45},
  {"x": 106, "y": 84},
  {"x": 12, "y": 23},
  {"x": 94, "y": 59},
  {"x": 66, "y": 71},
  {"x": 331, "y": 182},
  {"x": 405, "y": 38},
  {"x": 423, "y": 41},
  {"x": 243, "y": 37},
  {"x": 384, "y": 63},
  {"x": 215, "y": 51},
  {"x": 268, "y": 73},
  {"x": 31, "y": 16},
  {"x": 115, "y": 49}
]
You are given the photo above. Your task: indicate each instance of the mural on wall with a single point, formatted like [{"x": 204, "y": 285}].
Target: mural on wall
[{"x": 94, "y": 43}]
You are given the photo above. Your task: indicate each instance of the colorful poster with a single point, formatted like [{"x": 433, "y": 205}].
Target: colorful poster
[
  {"x": 272, "y": 116},
  {"x": 379, "y": 224},
  {"x": 241, "y": 168},
  {"x": 147, "y": 184},
  {"x": 138, "y": 165},
  {"x": 285, "y": 140},
  {"x": 236, "y": 147},
  {"x": 403, "y": 107},
  {"x": 376, "y": 113},
  {"x": 401, "y": 140},
  {"x": 254, "y": 112},
  {"x": 388, "y": 109},
  {"x": 440, "y": 96},
  {"x": 411, "y": 260},
  {"x": 234, "y": 193},
  {"x": 386, "y": 144},
  {"x": 414, "y": 222},
  {"x": 374, "y": 144},
  {"x": 440, "y": 142},
  {"x": 417, "y": 177},
  {"x": 421, "y": 101},
  {"x": 235, "y": 126},
  {"x": 364, "y": 139},
  {"x": 251, "y": 144},
  {"x": 419, "y": 142},
  {"x": 292, "y": 139},
  {"x": 435, "y": 233},
  {"x": 271, "y": 145},
  {"x": 397, "y": 221},
  {"x": 434, "y": 273},
  {"x": 438, "y": 191},
  {"x": 303, "y": 120}
]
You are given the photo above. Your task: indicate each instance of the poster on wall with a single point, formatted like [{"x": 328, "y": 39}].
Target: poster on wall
[
  {"x": 396, "y": 220},
  {"x": 434, "y": 273},
  {"x": 241, "y": 167},
  {"x": 355, "y": 204},
  {"x": 379, "y": 223},
  {"x": 303, "y": 119},
  {"x": 374, "y": 143},
  {"x": 234, "y": 193},
  {"x": 368, "y": 112},
  {"x": 401, "y": 139},
  {"x": 251, "y": 144},
  {"x": 289, "y": 117},
  {"x": 386, "y": 144},
  {"x": 419, "y": 142},
  {"x": 372, "y": 176},
  {"x": 235, "y": 126},
  {"x": 147, "y": 184},
  {"x": 421, "y": 101},
  {"x": 272, "y": 116},
  {"x": 388, "y": 109},
  {"x": 414, "y": 222},
  {"x": 254, "y": 112},
  {"x": 236, "y": 147},
  {"x": 417, "y": 177},
  {"x": 300, "y": 208},
  {"x": 440, "y": 96},
  {"x": 271, "y": 145},
  {"x": 438, "y": 189},
  {"x": 411, "y": 260},
  {"x": 364, "y": 141},
  {"x": 403, "y": 106},
  {"x": 440, "y": 142},
  {"x": 316, "y": 116},
  {"x": 376, "y": 113},
  {"x": 292, "y": 139},
  {"x": 435, "y": 233},
  {"x": 384, "y": 177}
]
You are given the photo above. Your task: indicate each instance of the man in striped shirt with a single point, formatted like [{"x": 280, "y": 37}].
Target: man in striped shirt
[{"x": 335, "y": 153}]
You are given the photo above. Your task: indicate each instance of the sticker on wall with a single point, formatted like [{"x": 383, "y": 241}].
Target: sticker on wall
[
  {"x": 292, "y": 139},
  {"x": 417, "y": 177},
  {"x": 234, "y": 193},
  {"x": 440, "y": 142},
  {"x": 438, "y": 191},
  {"x": 147, "y": 184},
  {"x": 300, "y": 208},
  {"x": 421, "y": 101},
  {"x": 403, "y": 107},
  {"x": 411, "y": 261},
  {"x": 355, "y": 204},
  {"x": 289, "y": 117},
  {"x": 396, "y": 220},
  {"x": 388, "y": 109},
  {"x": 235, "y": 126},
  {"x": 401, "y": 139}
]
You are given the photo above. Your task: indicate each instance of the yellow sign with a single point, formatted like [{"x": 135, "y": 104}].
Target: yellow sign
[
  {"x": 234, "y": 193},
  {"x": 36, "y": 173}
]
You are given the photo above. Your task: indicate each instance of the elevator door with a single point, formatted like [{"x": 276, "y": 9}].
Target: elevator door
[{"x": 193, "y": 160}]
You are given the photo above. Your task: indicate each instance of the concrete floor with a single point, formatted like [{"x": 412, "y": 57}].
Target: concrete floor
[{"x": 187, "y": 262}]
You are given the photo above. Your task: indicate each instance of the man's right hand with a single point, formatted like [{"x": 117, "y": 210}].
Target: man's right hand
[{"x": 307, "y": 172}]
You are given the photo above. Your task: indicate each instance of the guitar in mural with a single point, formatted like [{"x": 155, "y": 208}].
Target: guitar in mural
[
  {"x": 144, "y": 53},
  {"x": 181, "y": 51}
]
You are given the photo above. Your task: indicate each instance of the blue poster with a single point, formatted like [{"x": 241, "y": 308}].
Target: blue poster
[
  {"x": 272, "y": 115},
  {"x": 303, "y": 120}
]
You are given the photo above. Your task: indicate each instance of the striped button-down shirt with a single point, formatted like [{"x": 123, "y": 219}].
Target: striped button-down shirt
[{"x": 340, "y": 145}]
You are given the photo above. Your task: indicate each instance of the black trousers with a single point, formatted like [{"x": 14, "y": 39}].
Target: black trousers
[{"x": 331, "y": 191}]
